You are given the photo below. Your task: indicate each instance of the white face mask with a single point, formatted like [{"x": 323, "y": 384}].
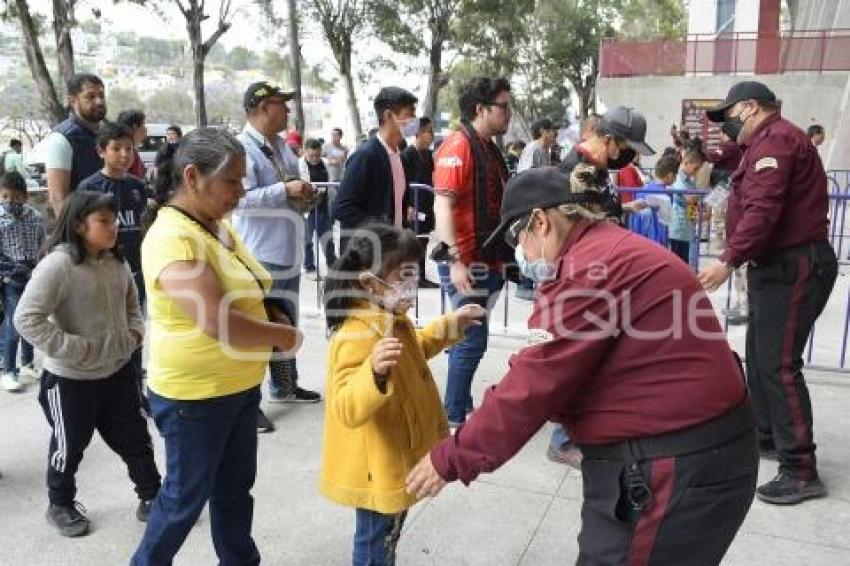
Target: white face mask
[
  {"x": 408, "y": 128},
  {"x": 399, "y": 296}
]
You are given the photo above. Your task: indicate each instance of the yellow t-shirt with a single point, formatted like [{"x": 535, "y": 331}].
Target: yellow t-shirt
[{"x": 185, "y": 363}]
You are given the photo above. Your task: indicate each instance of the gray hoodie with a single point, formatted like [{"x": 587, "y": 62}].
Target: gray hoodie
[{"x": 81, "y": 315}]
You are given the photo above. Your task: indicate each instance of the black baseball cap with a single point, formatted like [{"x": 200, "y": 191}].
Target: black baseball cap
[
  {"x": 746, "y": 90},
  {"x": 629, "y": 124},
  {"x": 262, "y": 90},
  {"x": 543, "y": 187}
]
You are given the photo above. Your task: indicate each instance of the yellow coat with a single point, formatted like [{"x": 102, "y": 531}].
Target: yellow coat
[{"x": 373, "y": 439}]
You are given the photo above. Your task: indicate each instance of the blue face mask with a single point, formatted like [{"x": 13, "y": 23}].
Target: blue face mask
[{"x": 538, "y": 270}]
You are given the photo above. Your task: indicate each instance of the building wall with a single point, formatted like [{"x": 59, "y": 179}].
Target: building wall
[
  {"x": 808, "y": 98},
  {"x": 820, "y": 14}
]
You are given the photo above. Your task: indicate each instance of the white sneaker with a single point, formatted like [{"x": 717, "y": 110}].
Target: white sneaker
[
  {"x": 28, "y": 372},
  {"x": 10, "y": 382}
]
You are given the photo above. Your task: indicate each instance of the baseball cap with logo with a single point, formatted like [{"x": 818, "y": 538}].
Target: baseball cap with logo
[
  {"x": 259, "y": 91},
  {"x": 746, "y": 90},
  {"x": 627, "y": 123}
]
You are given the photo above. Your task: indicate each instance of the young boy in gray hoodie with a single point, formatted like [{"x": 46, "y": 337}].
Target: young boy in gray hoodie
[{"x": 81, "y": 309}]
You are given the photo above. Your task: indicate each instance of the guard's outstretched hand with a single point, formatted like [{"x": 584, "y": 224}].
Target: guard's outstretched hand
[{"x": 423, "y": 480}]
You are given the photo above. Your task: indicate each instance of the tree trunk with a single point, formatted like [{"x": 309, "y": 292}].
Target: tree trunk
[
  {"x": 295, "y": 72},
  {"x": 435, "y": 76},
  {"x": 344, "y": 60},
  {"x": 193, "y": 26},
  {"x": 53, "y": 111},
  {"x": 63, "y": 22},
  {"x": 351, "y": 101},
  {"x": 200, "y": 95}
]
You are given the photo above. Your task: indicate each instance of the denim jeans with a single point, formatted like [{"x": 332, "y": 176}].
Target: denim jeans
[
  {"x": 465, "y": 356},
  {"x": 12, "y": 292},
  {"x": 559, "y": 438},
  {"x": 286, "y": 279},
  {"x": 319, "y": 221},
  {"x": 376, "y": 537},
  {"x": 211, "y": 455}
]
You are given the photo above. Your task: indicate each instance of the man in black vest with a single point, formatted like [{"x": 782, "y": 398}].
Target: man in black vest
[{"x": 70, "y": 150}]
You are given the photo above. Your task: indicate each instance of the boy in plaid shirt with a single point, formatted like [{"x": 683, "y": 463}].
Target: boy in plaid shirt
[{"x": 21, "y": 238}]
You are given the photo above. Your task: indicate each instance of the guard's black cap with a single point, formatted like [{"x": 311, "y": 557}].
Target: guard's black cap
[
  {"x": 628, "y": 124},
  {"x": 544, "y": 187},
  {"x": 259, "y": 91},
  {"x": 747, "y": 90}
]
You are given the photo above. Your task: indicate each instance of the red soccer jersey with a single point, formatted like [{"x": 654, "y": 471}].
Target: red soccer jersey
[{"x": 454, "y": 175}]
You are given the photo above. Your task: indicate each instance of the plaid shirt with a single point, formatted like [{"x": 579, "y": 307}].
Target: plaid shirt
[{"x": 21, "y": 239}]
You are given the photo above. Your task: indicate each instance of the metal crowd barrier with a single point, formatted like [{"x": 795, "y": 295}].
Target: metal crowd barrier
[{"x": 815, "y": 356}]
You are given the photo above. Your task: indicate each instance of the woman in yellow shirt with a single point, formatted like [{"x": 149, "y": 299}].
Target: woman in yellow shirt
[
  {"x": 382, "y": 407},
  {"x": 210, "y": 342}
]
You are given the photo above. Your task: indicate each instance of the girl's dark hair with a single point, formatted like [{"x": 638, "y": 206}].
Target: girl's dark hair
[
  {"x": 209, "y": 149},
  {"x": 374, "y": 246},
  {"x": 75, "y": 209}
]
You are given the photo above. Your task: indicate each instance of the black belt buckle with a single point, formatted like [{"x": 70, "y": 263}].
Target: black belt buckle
[{"x": 638, "y": 491}]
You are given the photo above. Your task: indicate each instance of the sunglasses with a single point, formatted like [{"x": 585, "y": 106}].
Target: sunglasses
[{"x": 512, "y": 233}]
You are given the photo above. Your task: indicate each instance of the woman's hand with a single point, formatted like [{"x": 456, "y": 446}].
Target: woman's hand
[
  {"x": 289, "y": 339},
  {"x": 469, "y": 315},
  {"x": 385, "y": 355}
]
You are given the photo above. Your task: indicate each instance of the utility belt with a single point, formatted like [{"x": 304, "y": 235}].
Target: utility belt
[
  {"x": 817, "y": 251},
  {"x": 697, "y": 438}
]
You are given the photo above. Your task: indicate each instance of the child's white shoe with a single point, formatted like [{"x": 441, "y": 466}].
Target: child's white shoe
[
  {"x": 11, "y": 382},
  {"x": 29, "y": 372}
]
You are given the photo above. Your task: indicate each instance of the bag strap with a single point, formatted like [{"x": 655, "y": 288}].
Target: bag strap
[{"x": 220, "y": 241}]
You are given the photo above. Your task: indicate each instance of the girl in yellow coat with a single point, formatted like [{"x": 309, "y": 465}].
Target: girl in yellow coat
[{"x": 382, "y": 411}]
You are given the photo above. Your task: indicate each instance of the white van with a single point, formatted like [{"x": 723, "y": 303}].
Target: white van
[{"x": 151, "y": 144}]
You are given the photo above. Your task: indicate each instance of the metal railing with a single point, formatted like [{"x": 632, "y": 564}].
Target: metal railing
[
  {"x": 728, "y": 53},
  {"x": 816, "y": 355}
]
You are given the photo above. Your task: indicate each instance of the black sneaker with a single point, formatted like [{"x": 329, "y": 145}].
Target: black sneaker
[
  {"x": 143, "y": 511},
  {"x": 785, "y": 490},
  {"x": 68, "y": 519},
  {"x": 302, "y": 396},
  {"x": 263, "y": 423}
]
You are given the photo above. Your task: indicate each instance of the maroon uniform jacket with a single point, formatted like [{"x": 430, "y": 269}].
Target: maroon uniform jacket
[
  {"x": 631, "y": 347},
  {"x": 779, "y": 194}
]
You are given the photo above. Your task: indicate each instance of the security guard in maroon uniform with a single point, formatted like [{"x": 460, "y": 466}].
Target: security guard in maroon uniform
[
  {"x": 777, "y": 223},
  {"x": 632, "y": 361}
]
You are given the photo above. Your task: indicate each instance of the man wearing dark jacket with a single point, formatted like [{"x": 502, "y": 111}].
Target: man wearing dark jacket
[
  {"x": 374, "y": 186},
  {"x": 418, "y": 160}
]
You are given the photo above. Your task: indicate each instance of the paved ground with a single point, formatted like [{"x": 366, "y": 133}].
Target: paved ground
[{"x": 526, "y": 513}]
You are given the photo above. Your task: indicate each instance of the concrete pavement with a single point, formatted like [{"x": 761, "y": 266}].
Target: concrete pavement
[{"x": 527, "y": 513}]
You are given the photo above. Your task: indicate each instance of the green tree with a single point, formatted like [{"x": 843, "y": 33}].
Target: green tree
[
  {"x": 401, "y": 23},
  {"x": 572, "y": 31},
  {"x": 224, "y": 104},
  {"x": 343, "y": 22},
  {"x": 169, "y": 106},
  {"x": 31, "y": 27},
  {"x": 644, "y": 20},
  {"x": 241, "y": 59},
  {"x": 118, "y": 99}
]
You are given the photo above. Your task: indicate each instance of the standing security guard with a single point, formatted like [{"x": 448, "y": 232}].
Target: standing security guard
[
  {"x": 632, "y": 360},
  {"x": 777, "y": 223}
]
